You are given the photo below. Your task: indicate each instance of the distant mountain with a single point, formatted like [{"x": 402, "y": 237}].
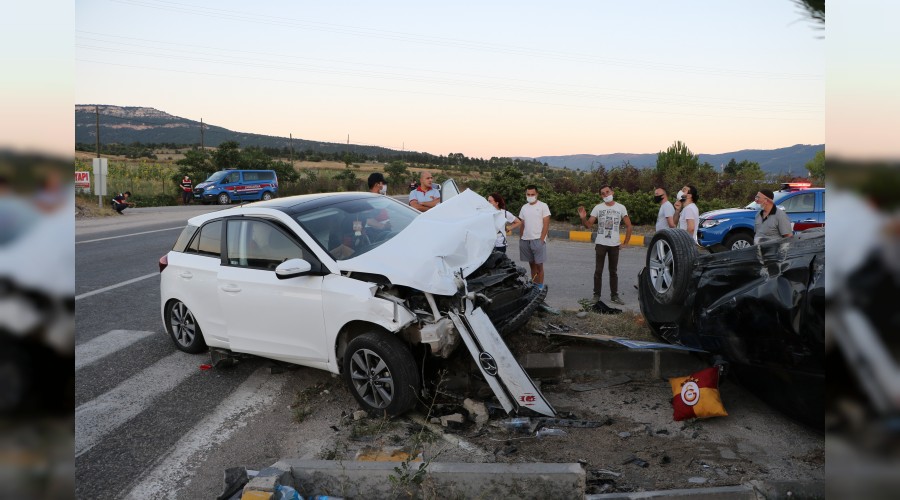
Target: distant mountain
[
  {"x": 125, "y": 125},
  {"x": 775, "y": 161}
]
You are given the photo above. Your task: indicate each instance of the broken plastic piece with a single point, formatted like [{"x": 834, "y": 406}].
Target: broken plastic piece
[
  {"x": 205, "y": 367},
  {"x": 549, "y": 431}
]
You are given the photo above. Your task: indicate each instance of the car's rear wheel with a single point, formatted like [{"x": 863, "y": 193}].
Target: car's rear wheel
[
  {"x": 224, "y": 199},
  {"x": 183, "y": 328},
  {"x": 670, "y": 258},
  {"x": 267, "y": 196},
  {"x": 738, "y": 241},
  {"x": 381, "y": 373}
]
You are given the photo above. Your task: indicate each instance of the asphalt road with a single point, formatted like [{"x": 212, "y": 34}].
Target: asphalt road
[{"x": 148, "y": 420}]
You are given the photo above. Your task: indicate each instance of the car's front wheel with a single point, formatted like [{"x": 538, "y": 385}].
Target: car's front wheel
[
  {"x": 381, "y": 373},
  {"x": 183, "y": 328},
  {"x": 224, "y": 199},
  {"x": 738, "y": 241}
]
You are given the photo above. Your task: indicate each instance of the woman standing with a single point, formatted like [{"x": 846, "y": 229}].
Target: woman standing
[{"x": 511, "y": 220}]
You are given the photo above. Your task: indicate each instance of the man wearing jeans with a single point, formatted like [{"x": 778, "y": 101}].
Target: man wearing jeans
[
  {"x": 535, "y": 217},
  {"x": 610, "y": 216}
]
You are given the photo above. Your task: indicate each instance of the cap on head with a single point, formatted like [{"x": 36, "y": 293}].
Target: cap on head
[
  {"x": 375, "y": 178},
  {"x": 767, "y": 193}
]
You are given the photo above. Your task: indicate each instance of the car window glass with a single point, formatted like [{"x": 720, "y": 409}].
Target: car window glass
[
  {"x": 823, "y": 201},
  {"x": 261, "y": 245},
  {"x": 184, "y": 237},
  {"x": 353, "y": 227},
  {"x": 209, "y": 241},
  {"x": 232, "y": 178},
  {"x": 251, "y": 176},
  {"x": 805, "y": 202}
]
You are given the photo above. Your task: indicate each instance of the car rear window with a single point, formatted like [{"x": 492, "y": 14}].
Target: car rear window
[
  {"x": 209, "y": 242},
  {"x": 183, "y": 238}
]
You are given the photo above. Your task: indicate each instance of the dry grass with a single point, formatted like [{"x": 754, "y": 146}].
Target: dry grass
[{"x": 86, "y": 208}]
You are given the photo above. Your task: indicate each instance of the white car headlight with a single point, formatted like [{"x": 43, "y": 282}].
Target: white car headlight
[{"x": 712, "y": 222}]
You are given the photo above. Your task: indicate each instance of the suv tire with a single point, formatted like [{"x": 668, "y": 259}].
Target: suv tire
[
  {"x": 670, "y": 259},
  {"x": 266, "y": 196},
  {"x": 737, "y": 241},
  {"x": 224, "y": 199},
  {"x": 381, "y": 373}
]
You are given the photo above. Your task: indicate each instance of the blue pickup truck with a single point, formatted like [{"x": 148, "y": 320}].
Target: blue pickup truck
[{"x": 733, "y": 228}]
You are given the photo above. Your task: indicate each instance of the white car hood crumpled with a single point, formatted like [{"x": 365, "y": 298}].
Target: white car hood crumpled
[{"x": 457, "y": 234}]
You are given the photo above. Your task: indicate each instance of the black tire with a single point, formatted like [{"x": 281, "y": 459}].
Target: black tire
[
  {"x": 183, "y": 328},
  {"x": 381, "y": 373},
  {"x": 224, "y": 199},
  {"x": 738, "y": 241},
  {"x": 670, "y": 259},
  {"x": 267, "y": 196}
]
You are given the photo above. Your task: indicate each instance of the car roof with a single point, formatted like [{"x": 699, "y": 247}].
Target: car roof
[{"x": 290, "y": 205}]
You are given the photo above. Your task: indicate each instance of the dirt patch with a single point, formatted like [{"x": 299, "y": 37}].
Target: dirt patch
[{"x": 88, "y": 209}]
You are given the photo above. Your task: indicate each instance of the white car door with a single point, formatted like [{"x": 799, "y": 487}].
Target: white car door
[
  {"x": 266, "y": 316},
  {"x": 195, "y": 276}
]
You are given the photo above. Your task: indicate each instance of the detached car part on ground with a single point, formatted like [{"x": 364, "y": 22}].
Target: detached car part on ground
[
  {"x": 761, "y": 308},
  {"x": 357, "y": 284}
]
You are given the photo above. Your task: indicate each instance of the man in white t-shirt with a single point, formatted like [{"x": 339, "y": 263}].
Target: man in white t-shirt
[
  {"x": 665, "y": 216},
  {"x": 689, "y": 216},
  {"x": 535, "y": 217},
  {"x": 426, "y": 196},
  {"x": 610, "y": 215}
]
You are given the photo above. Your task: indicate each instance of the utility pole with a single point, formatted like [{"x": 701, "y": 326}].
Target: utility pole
[
  {"x": 100, "y": 172},
  {"x": 292, "y": 149},
  {"x": 201, "y": 135}
]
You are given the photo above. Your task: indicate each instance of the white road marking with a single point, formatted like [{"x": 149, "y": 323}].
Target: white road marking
[
  {"x": 257, "y": 393},
  {"x": 113, "y": 287},
  {"x": 129, "y": 235},
  {"x": 98, "y": 417},
  {"x": 106, "y": 344}
]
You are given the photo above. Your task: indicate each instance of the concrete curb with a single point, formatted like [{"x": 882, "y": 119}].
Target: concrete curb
[
  {"x": 351, "y": 479},
  {"x": 588, "y": 237}
]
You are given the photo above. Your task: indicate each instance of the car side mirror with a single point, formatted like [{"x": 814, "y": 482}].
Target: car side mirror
[{"x": 292, "y": 268}]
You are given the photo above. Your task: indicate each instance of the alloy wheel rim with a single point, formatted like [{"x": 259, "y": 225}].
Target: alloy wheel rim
[
  {"x": 371, "y": 378},
  {"x": 662, "y": 266},
  {"x": 739, "y": 244},
  {"x": 184, "y": 327}
]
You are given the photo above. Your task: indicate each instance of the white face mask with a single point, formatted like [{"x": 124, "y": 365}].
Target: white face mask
[
  {"x": 531, "y": 199},
  {"x": 383, "y": 189},
  {"x": 608, "y": 199},
  {"x": 682, "y": 197}
]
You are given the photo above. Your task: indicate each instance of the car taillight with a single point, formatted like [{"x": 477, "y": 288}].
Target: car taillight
[{"x": 163, "y": 262}]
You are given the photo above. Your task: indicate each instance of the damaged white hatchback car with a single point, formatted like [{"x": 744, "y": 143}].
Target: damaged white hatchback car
[{"x": 357, "y": 284}]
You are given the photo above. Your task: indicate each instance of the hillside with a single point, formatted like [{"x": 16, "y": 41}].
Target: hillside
[{"x": 126, "y": 125}]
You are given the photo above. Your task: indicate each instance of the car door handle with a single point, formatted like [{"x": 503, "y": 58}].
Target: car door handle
[
  {"x": 186, "y": 275},
  {"x": 230, "y": 288}
]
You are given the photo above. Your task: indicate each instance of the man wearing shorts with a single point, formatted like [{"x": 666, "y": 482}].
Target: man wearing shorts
[{"x": 535, "y": 217}]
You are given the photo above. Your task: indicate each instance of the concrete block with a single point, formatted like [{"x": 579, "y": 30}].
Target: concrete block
[
  {"x": 456, "y": 418},
  {"x": 545, "y": 364},
  {"x": 441, "y": 480},
  {"x": 717, "y": 493}
]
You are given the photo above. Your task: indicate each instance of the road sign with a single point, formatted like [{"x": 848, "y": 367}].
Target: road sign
[
  {"x": 101, "y": 169},
  {"x": 83, "y": 180}
]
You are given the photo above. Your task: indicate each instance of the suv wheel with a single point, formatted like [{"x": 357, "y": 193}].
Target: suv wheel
[
  {"x": 670, "y": 258},
  {"x": 267, "y": 196},
  {"x": 738, "y": 241},
  {"x": 381, "y": 373},
  {"x": 224, "y": 199},
  {"x": 183, "y": 328}
]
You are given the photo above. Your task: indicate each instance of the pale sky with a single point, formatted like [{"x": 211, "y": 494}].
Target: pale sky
[{"x": 478, "y": 78}]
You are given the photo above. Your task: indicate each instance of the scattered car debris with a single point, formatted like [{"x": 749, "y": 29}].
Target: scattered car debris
[
  {"x": 636, "y": 461},
  {"x": 602, "y": 308},
  {"x": 549, "y": 431},
  {"x": 360, "y": 414},
  {"x": 235, "y": 479},
  {"x": 457, "y": 418},
  {"x": 605, "y": 471},
  {"x": 624, "y": 434}
]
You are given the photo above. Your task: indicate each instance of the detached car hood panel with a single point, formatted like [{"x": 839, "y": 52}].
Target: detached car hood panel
[{"x": 458, "y": 234}]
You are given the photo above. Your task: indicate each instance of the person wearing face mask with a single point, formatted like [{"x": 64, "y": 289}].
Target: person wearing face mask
[
  {"x": 535, "y": 217},
  {"x": 512, "y": 221},
  {"x": 771, "y": 223},
  {"x": 679, "y": 201},
  {"x": 665, "y": 218},
  {"x": 378, "y": 219},
  {"x": 689, "y": 218},
  {"x": 610, "y": 215}
]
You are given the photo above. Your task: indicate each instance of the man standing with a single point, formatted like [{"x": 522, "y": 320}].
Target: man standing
[
  {"x": 187, "y": 190},
  {"x": 771, "y": 223},
  {"x": 665, "y": 218},
  {"x": 425, "y": 197},
  {"x": 689, "y": 214},
  {"x": 535, "y": 217},
  {"x": 611, "y": 215}
]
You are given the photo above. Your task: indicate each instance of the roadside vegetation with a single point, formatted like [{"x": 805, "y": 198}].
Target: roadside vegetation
[{"x": 152, "y": 173}]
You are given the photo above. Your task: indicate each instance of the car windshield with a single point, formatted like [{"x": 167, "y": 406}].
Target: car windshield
[
  {"x": 353, "y": 227},
  {"x": 778, "y": 197},
  {"x": 216, "y": 177}
]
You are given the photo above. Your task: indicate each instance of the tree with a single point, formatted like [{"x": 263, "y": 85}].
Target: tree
[
  {"x": 677, "y": 165},
  {"x": 816, "y": 166},
  {"x": 398, "y": 174},
  {"x": 228, "y": 155}
]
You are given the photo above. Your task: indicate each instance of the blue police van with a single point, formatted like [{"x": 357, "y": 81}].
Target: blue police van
[
  {"x": 227, "y": 186},
  {"x": 733, "y": 228}
]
